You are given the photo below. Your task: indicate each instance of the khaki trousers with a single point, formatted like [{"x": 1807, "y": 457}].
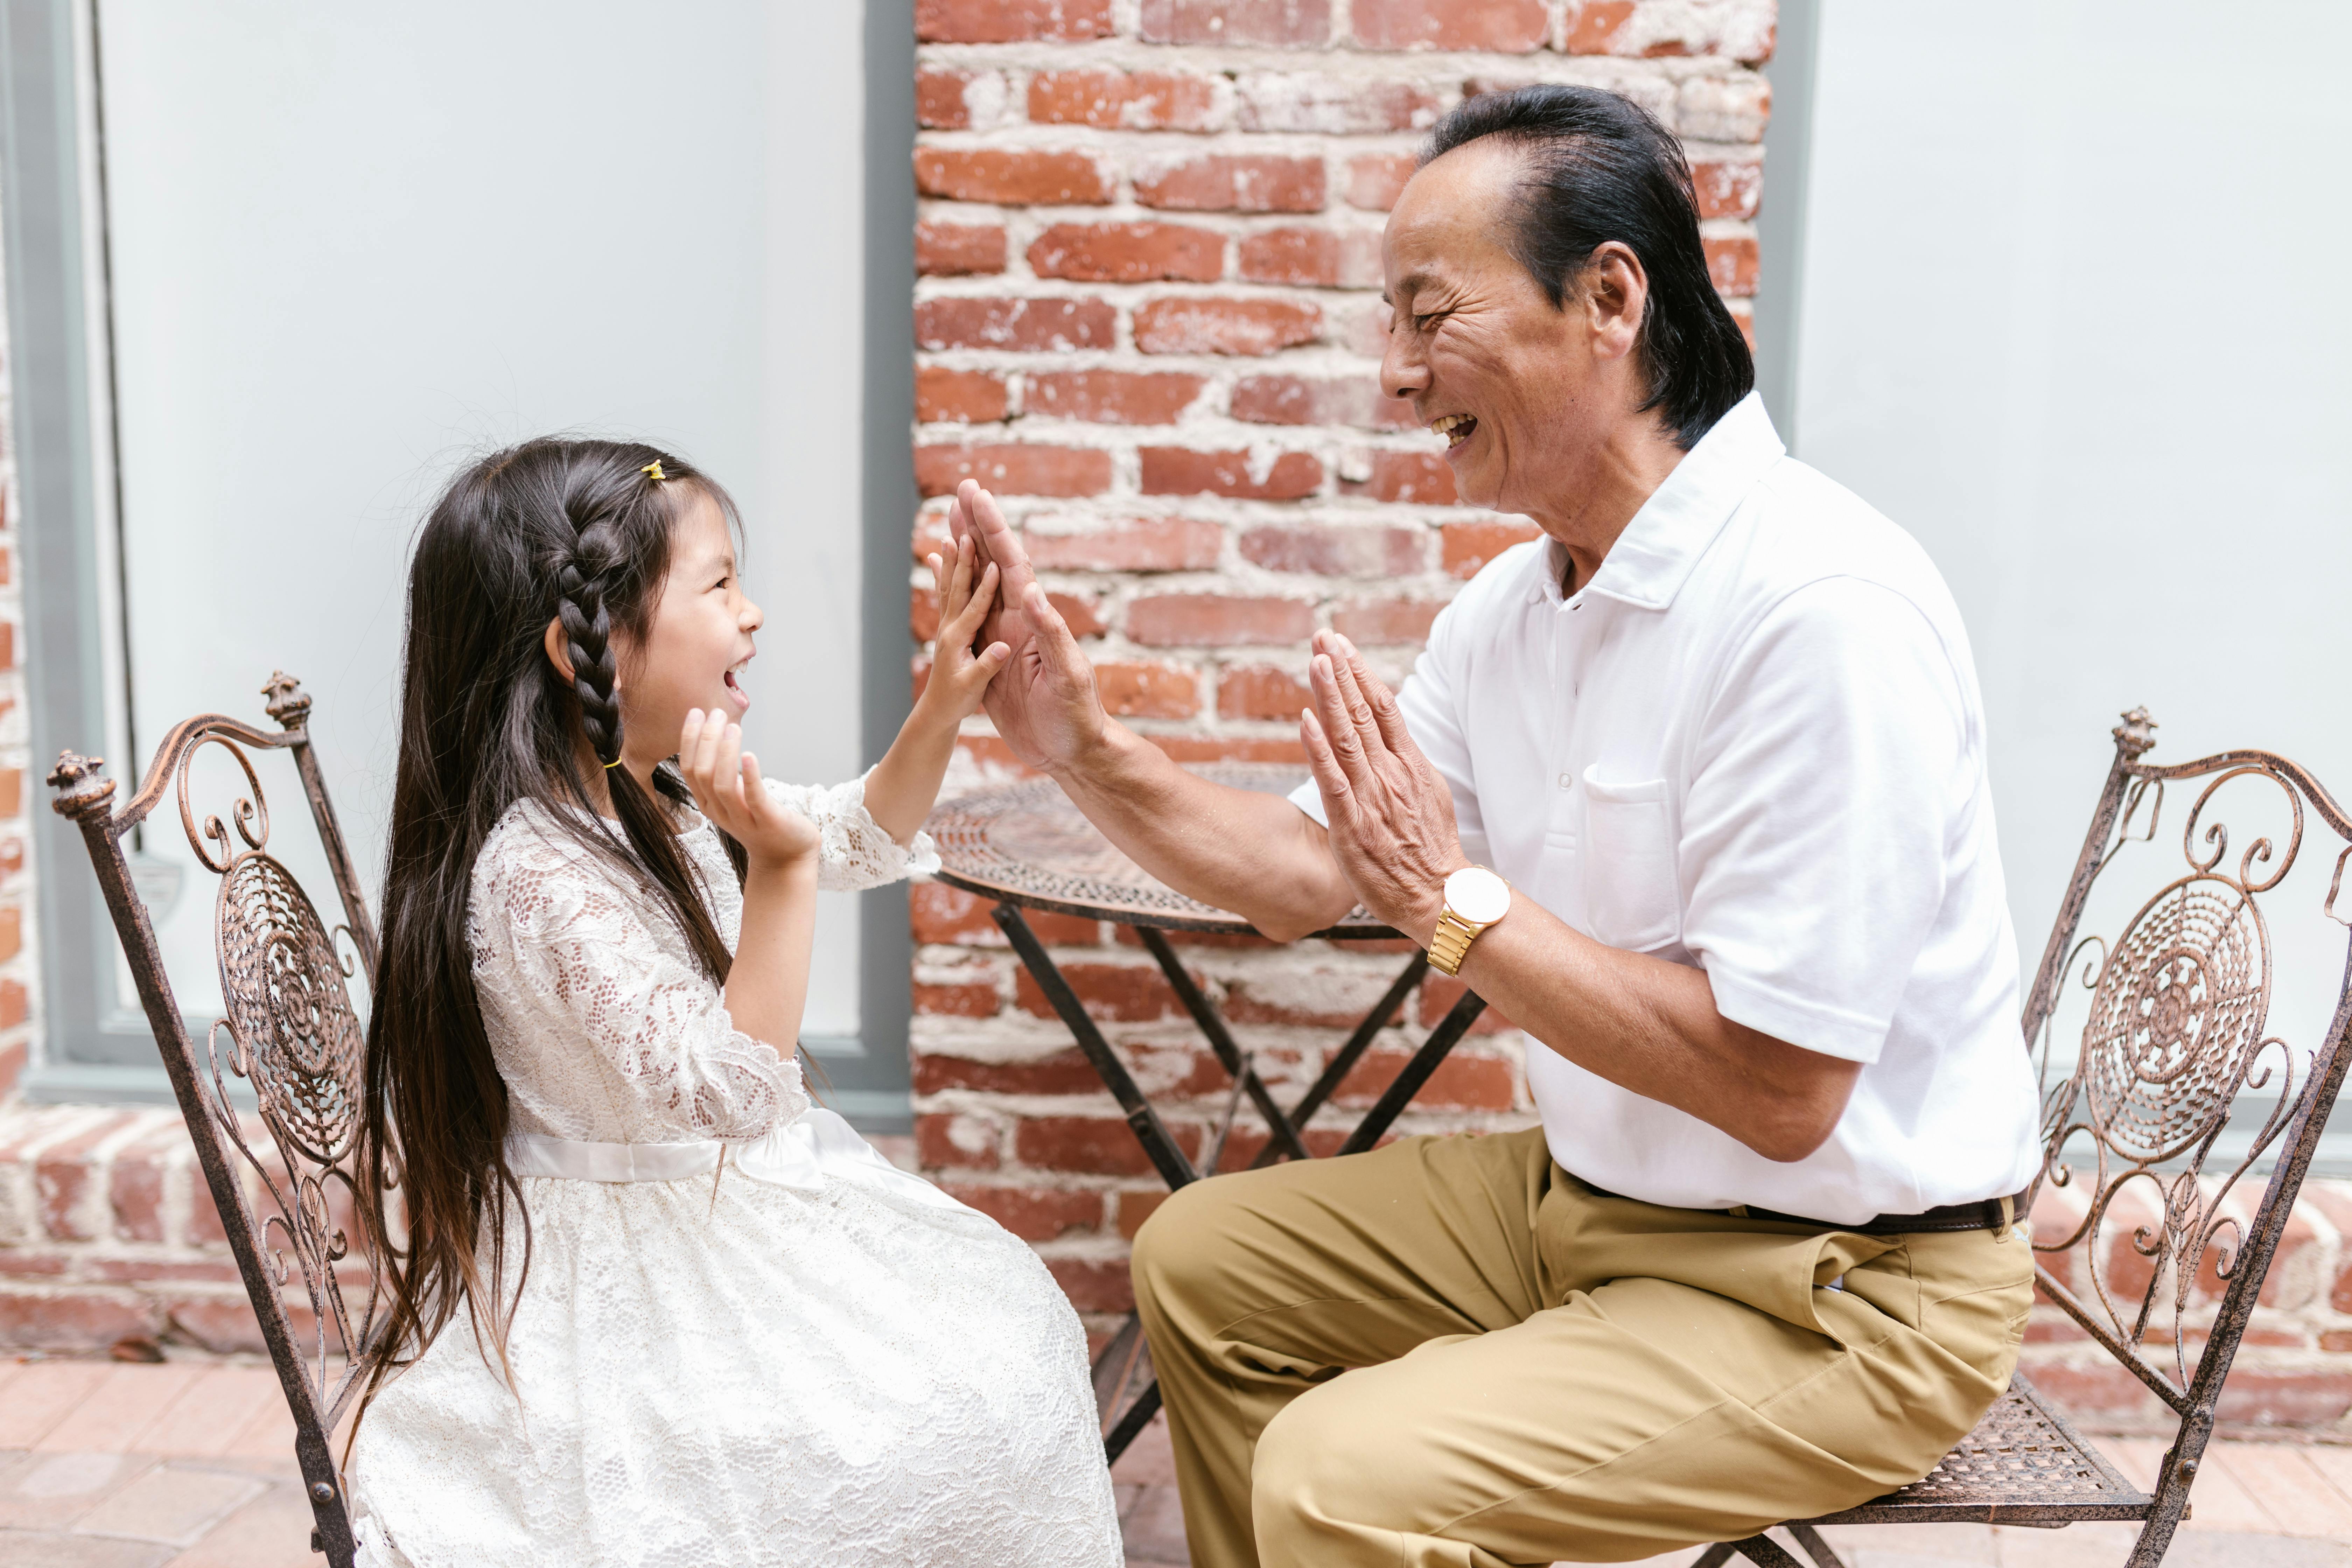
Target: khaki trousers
[{"x": 1450, "y": 1351}]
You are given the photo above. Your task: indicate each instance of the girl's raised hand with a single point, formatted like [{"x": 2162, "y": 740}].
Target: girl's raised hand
[
  {"x": 959, "y": 676},
  {"x": 725, "y": 780}
]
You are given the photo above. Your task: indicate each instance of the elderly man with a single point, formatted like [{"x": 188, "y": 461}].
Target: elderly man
[{"x": 1718, "y": 736}]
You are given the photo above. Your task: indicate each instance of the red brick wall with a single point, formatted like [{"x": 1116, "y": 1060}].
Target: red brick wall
[
  {"x": 108, "y": 1233},
  {"x": 1148, "y": 319}
]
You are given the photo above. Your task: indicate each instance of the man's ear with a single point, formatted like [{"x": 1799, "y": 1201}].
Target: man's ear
[
  {"x": 559, "y": 648},
  {"x": 1616, "y": 293}
]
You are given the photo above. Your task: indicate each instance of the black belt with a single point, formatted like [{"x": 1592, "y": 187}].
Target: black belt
[{"x": 1994, "y": 1215}]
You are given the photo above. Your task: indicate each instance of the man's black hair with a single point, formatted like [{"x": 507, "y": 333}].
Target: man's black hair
[{"x": 1600, "y": 167}]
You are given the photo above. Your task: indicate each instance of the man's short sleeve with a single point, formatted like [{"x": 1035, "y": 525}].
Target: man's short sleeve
[
  {"x": 1433, "y": 718},
  {"x": 1819, "y": 815}
]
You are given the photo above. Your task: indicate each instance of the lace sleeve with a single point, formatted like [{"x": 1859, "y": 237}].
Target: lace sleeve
[
  {"x": 563, "y": 957},
  {"x": 856, "y": 852}
]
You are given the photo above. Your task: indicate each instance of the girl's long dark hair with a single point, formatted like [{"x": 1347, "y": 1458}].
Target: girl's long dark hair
[{"x": 553, "y": 530}]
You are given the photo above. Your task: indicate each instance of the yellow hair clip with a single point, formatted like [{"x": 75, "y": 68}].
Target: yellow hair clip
[{"x": 654, "y": 469}]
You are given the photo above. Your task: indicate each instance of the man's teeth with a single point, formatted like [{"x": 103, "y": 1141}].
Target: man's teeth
[{"x": 1455, "y": 427}]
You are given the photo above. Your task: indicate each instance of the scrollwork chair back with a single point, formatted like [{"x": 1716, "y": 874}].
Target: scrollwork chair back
[
  {"x": 291, "y": 1034},
  {"x": 2180, "y": 1092}
]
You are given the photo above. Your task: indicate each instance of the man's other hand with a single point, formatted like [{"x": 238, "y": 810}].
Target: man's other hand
[{"x": 1391, "y": 814}]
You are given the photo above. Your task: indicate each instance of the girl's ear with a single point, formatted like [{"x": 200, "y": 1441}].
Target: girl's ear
[{"x": 559, "y": 650}]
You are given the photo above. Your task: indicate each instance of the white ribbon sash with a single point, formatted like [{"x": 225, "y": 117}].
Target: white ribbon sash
[
  {"x": 577, "y": 1160},
  {"x": 815, "y": 1149}
]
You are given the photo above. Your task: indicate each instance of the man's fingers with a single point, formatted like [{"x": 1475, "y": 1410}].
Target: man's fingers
[
  {"x": 996, "y": 540},
  {"x": 1339, "y": 729},
  {"x": 1055, "y": 644},
  {"x": 1387, "y": 715},
  {"x": 1359, "y": 710},
  {"x": 1329, "y": 777}
]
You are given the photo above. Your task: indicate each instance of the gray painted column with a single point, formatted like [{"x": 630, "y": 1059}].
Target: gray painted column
[{"x": 1781, "y": 220}]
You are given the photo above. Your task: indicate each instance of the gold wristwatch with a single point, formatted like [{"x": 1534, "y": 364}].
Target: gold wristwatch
[{"x": 1475, "y": 898}]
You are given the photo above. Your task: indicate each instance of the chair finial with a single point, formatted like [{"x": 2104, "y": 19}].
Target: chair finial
[
  {"x": 288, "y": 703},
  {"x": 81, "y": 793},
  {"x": 2135, "y": 736}
]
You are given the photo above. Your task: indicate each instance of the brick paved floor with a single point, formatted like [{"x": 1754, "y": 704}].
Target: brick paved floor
[{"x": 190, "y": 1465}]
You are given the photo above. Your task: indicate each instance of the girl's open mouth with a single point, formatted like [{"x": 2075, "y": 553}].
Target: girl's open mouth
[{"x": 742, "y": 700}]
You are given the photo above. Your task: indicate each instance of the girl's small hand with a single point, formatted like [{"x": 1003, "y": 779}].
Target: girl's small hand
[
  {"x": 959, "y": 675},
  {"x": 725, "y": 780}
]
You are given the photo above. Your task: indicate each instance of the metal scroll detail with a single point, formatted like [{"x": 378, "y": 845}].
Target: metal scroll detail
[
  {"x": 299, "y": 1042},
  {"x": 2180, "y": 1002},
  {"x": 2179, "y": 1006},
  {"x": 292, "y": 1035}
]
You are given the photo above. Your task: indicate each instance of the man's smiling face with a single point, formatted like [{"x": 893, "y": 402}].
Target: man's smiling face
[{"x": 1484, "y": 356}]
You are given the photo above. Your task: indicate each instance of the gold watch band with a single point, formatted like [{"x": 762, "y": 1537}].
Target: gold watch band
[{"x": 1451, "y": 942}]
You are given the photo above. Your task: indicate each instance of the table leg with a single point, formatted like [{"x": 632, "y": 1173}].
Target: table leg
[
  {"x": 1406, "y": 1084},
  {"x": 1144, "y": 1121},
  {"x": 1391, "y": 1103},
  {"x": 1120, "y": 1361},
  {"x": 1283, "y": 1131},
  {"x": 1336, "y": 1071}
]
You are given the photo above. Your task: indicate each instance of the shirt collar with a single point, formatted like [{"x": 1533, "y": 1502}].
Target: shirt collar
[{"x": 1652, "y": 558}]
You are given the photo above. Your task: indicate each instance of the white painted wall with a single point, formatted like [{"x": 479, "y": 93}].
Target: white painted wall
[
  {"x": 355, "y": 244},
  {"x": 2074, "y": 315}
]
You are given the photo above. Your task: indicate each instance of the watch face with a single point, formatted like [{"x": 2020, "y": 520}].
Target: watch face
[{"x": 1477, "y": 895}]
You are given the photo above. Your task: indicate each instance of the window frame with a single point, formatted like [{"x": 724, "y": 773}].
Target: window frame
[{"x": 90, "y": 1047}]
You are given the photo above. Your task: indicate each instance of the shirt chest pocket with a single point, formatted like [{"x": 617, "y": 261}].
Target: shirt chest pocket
[{"x": 1632, "y": 900}]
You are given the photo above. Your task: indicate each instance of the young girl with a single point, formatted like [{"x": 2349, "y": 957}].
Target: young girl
[{"x": 654, "y": 1307}]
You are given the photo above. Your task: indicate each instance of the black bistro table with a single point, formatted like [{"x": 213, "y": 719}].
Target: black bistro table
[{"x": 1026, "y": 847}]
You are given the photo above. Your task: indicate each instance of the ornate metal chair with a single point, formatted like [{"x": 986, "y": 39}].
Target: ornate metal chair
[
  {"x": 2160, "y": 1257},
  {"x": 291, "y": 1035}
]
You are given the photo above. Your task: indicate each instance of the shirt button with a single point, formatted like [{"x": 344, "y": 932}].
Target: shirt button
[{"x": 1568, "y": 781}]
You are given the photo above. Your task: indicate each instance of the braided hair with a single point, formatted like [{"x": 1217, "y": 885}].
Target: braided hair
[
  {"x": 577, "y": 532},
  {"x": 588, "y": 629}
]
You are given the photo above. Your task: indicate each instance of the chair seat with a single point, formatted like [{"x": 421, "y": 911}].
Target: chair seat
[{"x": 2024, "y": 1464}]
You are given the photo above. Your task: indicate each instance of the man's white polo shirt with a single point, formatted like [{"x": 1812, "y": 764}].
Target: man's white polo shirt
[{"x": 1752, "y": 742}]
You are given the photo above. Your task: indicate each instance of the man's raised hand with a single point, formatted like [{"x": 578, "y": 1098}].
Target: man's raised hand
[
  {"x": 976, "y": 517},
  {"x": 1390, "y": 813}
]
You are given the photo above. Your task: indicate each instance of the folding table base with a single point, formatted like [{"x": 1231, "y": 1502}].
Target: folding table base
[{"x": 1127, "y": 1359}]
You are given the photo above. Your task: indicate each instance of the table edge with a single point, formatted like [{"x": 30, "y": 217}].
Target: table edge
[{"x": 1199, "y": 925}]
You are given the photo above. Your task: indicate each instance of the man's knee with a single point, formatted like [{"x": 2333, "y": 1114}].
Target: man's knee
[{"x": 1178, "y": 1244}]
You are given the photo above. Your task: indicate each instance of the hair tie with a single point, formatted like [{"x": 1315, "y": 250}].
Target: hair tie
[
  {"x": 654, "y": 469},
  {"x": 614, "y": 764}
]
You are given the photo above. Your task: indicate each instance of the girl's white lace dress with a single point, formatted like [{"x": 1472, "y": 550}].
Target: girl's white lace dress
[{"x": 803, "y": 1357}]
